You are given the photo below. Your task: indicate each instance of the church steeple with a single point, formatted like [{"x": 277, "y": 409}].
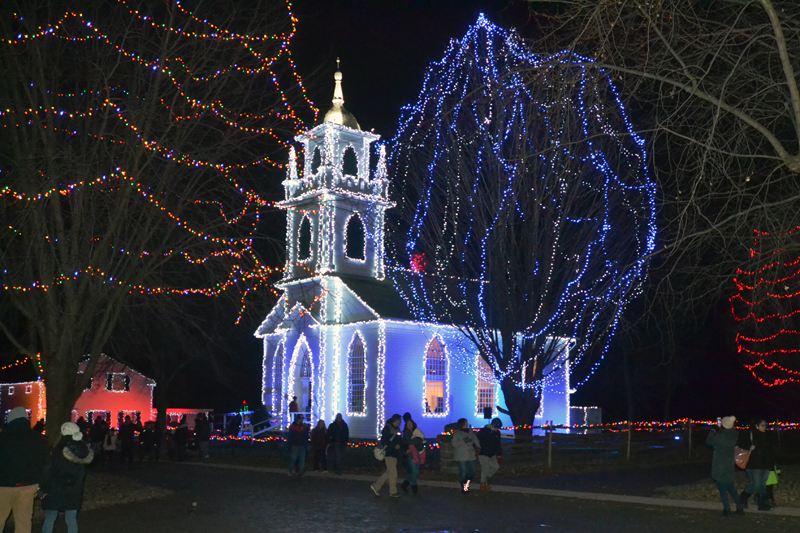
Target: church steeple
[
  {"x": 338, "y": 114},
  {"x": 335, "y": 207}
]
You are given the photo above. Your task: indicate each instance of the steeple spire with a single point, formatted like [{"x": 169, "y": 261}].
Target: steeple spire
[
  {"x": 338, "y": 114},
  {"x": 338, "y": 96}
]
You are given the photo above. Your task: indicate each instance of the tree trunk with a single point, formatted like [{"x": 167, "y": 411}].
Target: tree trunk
[
  {"x": 521, "y": 406},
  {"x": 59, "y": 379}
]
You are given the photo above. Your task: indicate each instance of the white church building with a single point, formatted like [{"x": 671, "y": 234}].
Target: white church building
[{"x": 341, "y": 339}]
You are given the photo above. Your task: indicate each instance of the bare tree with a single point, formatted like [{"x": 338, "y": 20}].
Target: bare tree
[
  {"x": 133, "y": 133},
  {"x": 714, "y": 87},
  {"x": 525, "y": 193}
]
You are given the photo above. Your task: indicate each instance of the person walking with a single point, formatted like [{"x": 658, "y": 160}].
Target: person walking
[
  {"x": 338, "y": 437},
  {"x": 319, "y": 444},
  {"x": 23, "y": 454},
  {"x": 297, "y": 441},
  {"x": 293, "y": 408},
  {"x": 63, "y": 483},
  {"x": 723, "y": 439},
  {"x": 489, "y": 456},
  {"x": 412, "y": 467},
  {"x": 465, "y": 446},
  {"x": 392, "y": 440},
  {"x": 762, "y": 460}
]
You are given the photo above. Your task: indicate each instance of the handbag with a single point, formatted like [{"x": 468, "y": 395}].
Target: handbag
[
  {"x": 773, "y": 478},
  {"x": 742, "y": 456},
  {"x": 379, "y": 452}
]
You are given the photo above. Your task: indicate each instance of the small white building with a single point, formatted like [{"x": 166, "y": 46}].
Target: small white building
[{"x": 340, "y": 338}]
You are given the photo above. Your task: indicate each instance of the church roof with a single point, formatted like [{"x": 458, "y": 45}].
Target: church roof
[{"x": 380, "y": 295}]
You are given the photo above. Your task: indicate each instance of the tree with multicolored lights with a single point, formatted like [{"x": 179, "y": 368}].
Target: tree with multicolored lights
[
  {"x": 526, "y": 210},
  {"x": 134, "y": 135},
  {"x": 765, "y": 309}
]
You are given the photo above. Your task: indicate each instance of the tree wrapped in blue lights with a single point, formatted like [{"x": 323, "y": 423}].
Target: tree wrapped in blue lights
[{"x": 525, "y": 213}]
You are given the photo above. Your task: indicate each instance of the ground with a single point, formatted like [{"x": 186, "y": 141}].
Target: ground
[{"x": 244, "y": 500}]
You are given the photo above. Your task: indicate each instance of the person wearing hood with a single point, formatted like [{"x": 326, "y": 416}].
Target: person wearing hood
[
  {"x": 338, "y": 437},
  {"x": 297, "y": 441},
  {"x": 723, "y": 439},
  {"x": 489, "y": 456},
  {"x": 23, "y": 453},
  {"x": 465, "y": 446},
  {"x": 63, "y": 483}
]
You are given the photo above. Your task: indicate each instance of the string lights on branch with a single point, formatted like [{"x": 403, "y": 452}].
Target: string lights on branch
[
  {"x": 524, "y": 205},
  {"x": 156, "y": 147},
  {"x": 765, "y": 309}
]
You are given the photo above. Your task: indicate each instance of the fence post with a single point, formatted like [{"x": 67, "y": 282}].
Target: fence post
[
  {"x": 629, "y": 441},
  {"x": 549, "y": 431},
  {"x": 689, "y": 425}
]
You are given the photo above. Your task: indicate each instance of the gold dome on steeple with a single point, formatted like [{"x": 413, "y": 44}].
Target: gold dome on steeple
[{"x": 338, "y": 114}]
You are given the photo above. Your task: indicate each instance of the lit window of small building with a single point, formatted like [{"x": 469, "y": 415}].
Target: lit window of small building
[{"x": 435, "y": 378}]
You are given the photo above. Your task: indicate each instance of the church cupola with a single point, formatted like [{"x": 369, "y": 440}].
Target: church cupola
[{"x": 335, "y": 207}]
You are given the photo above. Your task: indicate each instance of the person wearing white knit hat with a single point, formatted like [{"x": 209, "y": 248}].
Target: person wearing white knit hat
[{"x": 723, "y": 439}]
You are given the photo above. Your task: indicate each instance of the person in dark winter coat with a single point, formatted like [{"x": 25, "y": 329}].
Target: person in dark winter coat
[
  {"x": 338, "y": 437},
  {"x": 392, "y": 439},
  {"x": 297, "y": 441},
  {"x": 762, "y": 460},
  {"x": 723, "y": 439},
  {"x": 412, "y": 468},
  {"x": 148, "y": 442},
  {"x": 127, "y": 435},
  {"x": 182, "y": 439},
  {"x": 319, "y": 444},
  {"x": 63, "y": 483},
  {"x": 23, "y": 454},
  {"x": 489, "y": 456}
]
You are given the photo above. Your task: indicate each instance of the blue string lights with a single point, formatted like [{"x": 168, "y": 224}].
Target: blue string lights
[{"x": 525, "y": 205}]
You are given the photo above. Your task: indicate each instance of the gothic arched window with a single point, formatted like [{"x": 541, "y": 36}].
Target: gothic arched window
[
  {"x": 304, "y": 239},
  {"x": 354, "y": 238},
  {"x": 350, "y": 162},
  {"x": 435, "y": 400},
  {"x": 277, "y": 379},
  {"x": 485, "y": 391},
  {"x": 316, "y": 161},
  {"x": 356, "y": 377}
]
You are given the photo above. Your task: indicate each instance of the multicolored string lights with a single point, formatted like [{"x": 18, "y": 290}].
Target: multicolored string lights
[{"x": 180, "y": 118}]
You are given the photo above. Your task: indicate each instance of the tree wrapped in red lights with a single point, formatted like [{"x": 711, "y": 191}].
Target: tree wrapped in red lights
[
  {"x": 766, "y": 312},
  {"x": 133, "y": 136}
]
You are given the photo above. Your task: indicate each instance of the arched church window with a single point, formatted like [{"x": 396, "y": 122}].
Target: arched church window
[
  {"x": 316, "y": 160},
  {"x": 304, "y": 239},
  {"x": 277, "y": 379},
  {"x": 305, "y": 366},
  {"x": 356, "y": 377},
  {"x": 350, "y": 162},
  {"x": 485, "y": 387},
  {"x": 354, "y": 238},
  {"x": 435, "y": 400}
]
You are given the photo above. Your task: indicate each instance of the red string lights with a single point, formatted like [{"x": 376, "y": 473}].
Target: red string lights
[{"x": 765, "y": 309}]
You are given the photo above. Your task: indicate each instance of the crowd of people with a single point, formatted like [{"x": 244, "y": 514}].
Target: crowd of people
[{"x": 31, "y": 469}]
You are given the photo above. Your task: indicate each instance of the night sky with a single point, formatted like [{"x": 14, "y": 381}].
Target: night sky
[{"x": 385, "y": 47}]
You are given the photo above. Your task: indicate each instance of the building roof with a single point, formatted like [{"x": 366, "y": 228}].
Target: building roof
[{"x": 380, "y": 295}]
